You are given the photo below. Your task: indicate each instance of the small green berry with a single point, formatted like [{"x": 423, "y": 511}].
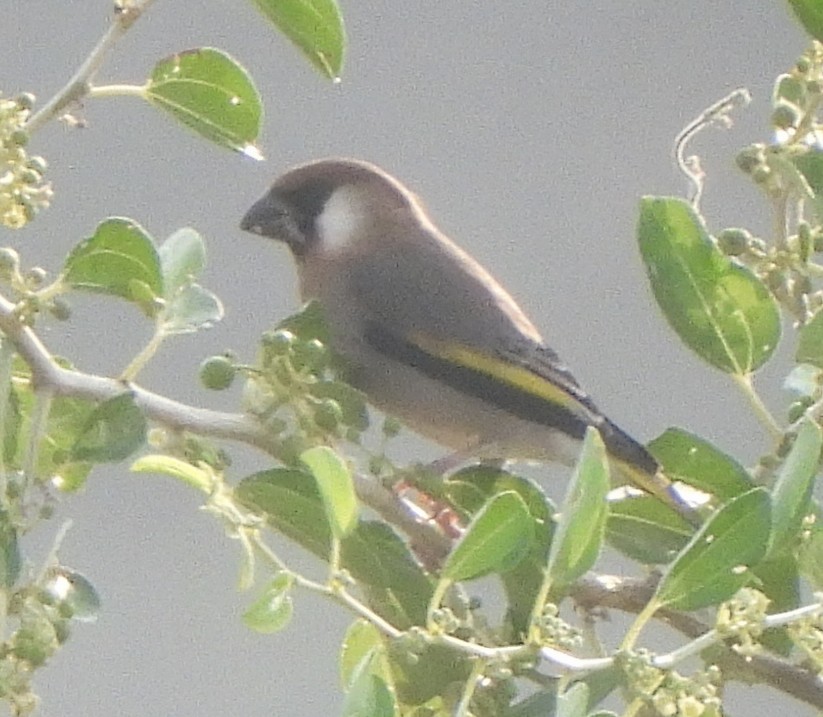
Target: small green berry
[
  {"x": 785, "y": 116},
  {"x": 391, "y": 427},
  {"x": 802, "y": 286},
  {"x": 761, "y": 174},
  {"x": 280, "y": 341},
  {"x": 750, "y": 158},
  {"x": 25, "y": 100},
  {"x": 47, "y": 597},
  {"x": 60, "y": 309},
  {"x": 309, "y": 354},
  {"x": 798, "y": 408},
  {"x": 733, "y": 242},
  {"x": 328, "y": 415},
  {"x": 30, "y": 177},
  {"x": 217, "y": 372},
  {"x": 62, "y": 631},
  {"x": 36, "y": 277},
  {"x": 37, "y": 163},
  {"x": 66, "y": 609},
  {"x": 9, "y": 262},
  {"x": 19, "y": 138}
]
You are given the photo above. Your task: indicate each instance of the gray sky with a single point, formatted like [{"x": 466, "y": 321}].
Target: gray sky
[{"x": 530, "y": 129}]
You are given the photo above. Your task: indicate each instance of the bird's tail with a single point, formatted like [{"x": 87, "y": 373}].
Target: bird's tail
[{"x": 638, "y": 467}]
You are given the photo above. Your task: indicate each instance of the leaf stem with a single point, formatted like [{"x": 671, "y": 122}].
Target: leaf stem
[
  {"x": 80, "y": 83},
  {"x": 639, "y": 623},
  {"x": 718, "y": 112},
  {"x": 537, "y": 607},
  {"x": 434, "y": 604},
  {"x": 744, "y": 383},
  {"x": 37, "y": 429},
  {"x": 6, "y": 366},
  {"x": 139, "y": 362},
  {"x": 117, "y": 91},
  {"x": 464, "y": 706}
]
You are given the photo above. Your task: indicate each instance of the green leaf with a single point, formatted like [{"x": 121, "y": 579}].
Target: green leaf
[
  {"x": 119, "y": 258},
  {"x": 308, "y": 323},
  {"x": 803, "y": 380},
  {"x": 538, "y": 704},
  {"x": 396, "y": 586},
  {"x": 12, "y": 421},
  {"x": 336, "y": 488},
  {"x": 176, "y": 468},
  {"x": 290, "y": 502},
  {"x": 579, "y": 534},
  {"x": 573, "y": 702},
  {"x": 810, "y": 15},
  {"x": 433, "y": 672},
  {"x": 315, "y": 26},
  {"x": 498, "y": 537},
  {"x": 193, "y": 308},
  {"x": 467, "y": 490},
  {"x": 368, "y": 694},
  {"x": 809, "y": 562},
  {"x": 717, "y": 561},
  {"x": 791, "y": 89},
  {"x": 10, "y": 558},
  {"x": 810, "y": 166},
  {"x": 113, "y": 431},
  {"x": 792, "y": 492},
  {"x": 75, "y": 591},
  {"x": 210, "y": 92},
  {"x": 644, "y": 528},
  {"x": 272, "y": 611},
  {"x": 601, "y": 684},
  {"x": 810, "y": 342},
  {"x": 687, "y": 458},
  {"x": 354, "y": 412},
  {"x": 182, "y": 258},
  {"x": 719, "y": 308},
  {"x": 67, "y": 419},
  {"x": 779, "y": 580},
  {"x": 361, "y": 638}
]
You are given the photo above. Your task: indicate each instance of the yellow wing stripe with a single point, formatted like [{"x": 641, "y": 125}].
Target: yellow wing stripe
[{"x": 500, "y": 369}]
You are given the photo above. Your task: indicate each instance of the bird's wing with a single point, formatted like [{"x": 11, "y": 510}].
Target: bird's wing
[
  {"x": 449, "y": 319},
  {"x": 533, "y": 386}
]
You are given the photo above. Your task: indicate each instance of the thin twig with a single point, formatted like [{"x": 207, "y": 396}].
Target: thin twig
[
  {"x": 717, "y": 113},
  {"x": 236, "y": 427},
  {"x": 630, "y": 596},
  {"x": 80, "y": 83}
]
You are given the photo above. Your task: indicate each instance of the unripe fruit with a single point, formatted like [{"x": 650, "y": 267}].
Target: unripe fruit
[{"x": 217, "y": 372}]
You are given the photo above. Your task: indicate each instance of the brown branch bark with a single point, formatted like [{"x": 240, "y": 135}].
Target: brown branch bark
[{"x": 632, "y": 595}]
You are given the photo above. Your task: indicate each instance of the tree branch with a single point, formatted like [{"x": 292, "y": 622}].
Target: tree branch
[
  {"x": 591, "y": 592},
  {"x": 125, "y": 15},
  {"x": 48, "y": 375},
  {"x": 632, "y": 595}
]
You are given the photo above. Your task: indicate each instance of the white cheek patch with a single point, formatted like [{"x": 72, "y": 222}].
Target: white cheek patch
[{"x": 340, "y": 221}]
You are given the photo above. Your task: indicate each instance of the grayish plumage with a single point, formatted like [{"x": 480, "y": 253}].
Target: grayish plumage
[{"x": 426, "y": 332}]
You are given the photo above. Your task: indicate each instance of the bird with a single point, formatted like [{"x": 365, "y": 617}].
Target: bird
[{"x": 427, "y": 333}]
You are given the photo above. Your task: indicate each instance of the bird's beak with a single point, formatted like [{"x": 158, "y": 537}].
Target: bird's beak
[
  {"x": 263, "y": 217},
  {"x": 271, "y": 217}
]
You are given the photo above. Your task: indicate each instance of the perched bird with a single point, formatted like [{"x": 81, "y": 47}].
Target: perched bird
[{"x": 425, "y": 331}]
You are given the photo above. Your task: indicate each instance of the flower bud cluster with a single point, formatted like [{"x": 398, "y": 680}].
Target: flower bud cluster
[{"x": 23, "y": 190}]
